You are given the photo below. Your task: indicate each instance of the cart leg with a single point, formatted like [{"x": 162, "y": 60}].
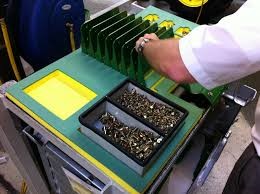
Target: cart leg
[{"x": 17, "y": 149}]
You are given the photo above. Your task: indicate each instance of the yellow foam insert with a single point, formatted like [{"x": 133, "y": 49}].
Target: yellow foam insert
[
  {"x": 152, "y": 17},
  {"x": 167, "y": 24},
  {"x": 60, "y": 94}
]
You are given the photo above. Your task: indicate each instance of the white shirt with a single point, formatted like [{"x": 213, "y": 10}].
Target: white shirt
[{"x": 224, "y": 52}]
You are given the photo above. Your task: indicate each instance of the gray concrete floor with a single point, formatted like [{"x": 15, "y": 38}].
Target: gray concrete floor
[
  {"x": 10, "y": 178},
  {"x": 238, "y": 141}
]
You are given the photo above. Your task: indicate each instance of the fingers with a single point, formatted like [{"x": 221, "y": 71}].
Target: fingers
[
  {"x": 151, "y": 36},
  {"x": 138, "y": 42}
]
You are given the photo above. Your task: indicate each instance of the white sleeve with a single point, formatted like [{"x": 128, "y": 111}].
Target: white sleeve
[{"x": 226, "y": 51}]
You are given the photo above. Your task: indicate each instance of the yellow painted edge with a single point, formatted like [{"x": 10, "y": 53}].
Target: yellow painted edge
[
  {"x": 156, "y": 84},
  {"x": 148, "y": 74},
  {"x": 173, "y": 88},
  {"x": 99, "y": 165}
]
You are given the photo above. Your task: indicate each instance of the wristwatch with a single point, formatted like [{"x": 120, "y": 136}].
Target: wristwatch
[{"x": 141, "y": 46}]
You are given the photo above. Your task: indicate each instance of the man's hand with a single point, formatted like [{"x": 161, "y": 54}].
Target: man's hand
[
  {"x": 164, "y": 56},
  {"x": 143, "y": 40}
]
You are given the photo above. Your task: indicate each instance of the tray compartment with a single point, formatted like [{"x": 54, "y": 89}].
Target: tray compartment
[{"x": 148, "y": 107}]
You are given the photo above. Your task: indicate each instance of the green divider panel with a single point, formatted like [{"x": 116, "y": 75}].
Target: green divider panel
[
  {"x": 126, "y": 67},
  {"x": 89, "y": 24},
  {"x": 111, "y": 38},
  {"x": 167, "y": 34},
  {"x": 97, "y": 28},
  {"x": 105, "y": 32},
  {"x": 160, "y": 31},
  {"x": 121, "y": 40}
]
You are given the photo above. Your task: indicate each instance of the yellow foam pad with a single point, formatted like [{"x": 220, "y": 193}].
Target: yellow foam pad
[
  {"x": 167, "y": 24},
  {"x": 60, "y": 94}
]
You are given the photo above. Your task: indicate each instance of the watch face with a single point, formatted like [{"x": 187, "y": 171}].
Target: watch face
[
  {"x": 146, "y": 40},
  {"x": 141, "y": 46}
]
